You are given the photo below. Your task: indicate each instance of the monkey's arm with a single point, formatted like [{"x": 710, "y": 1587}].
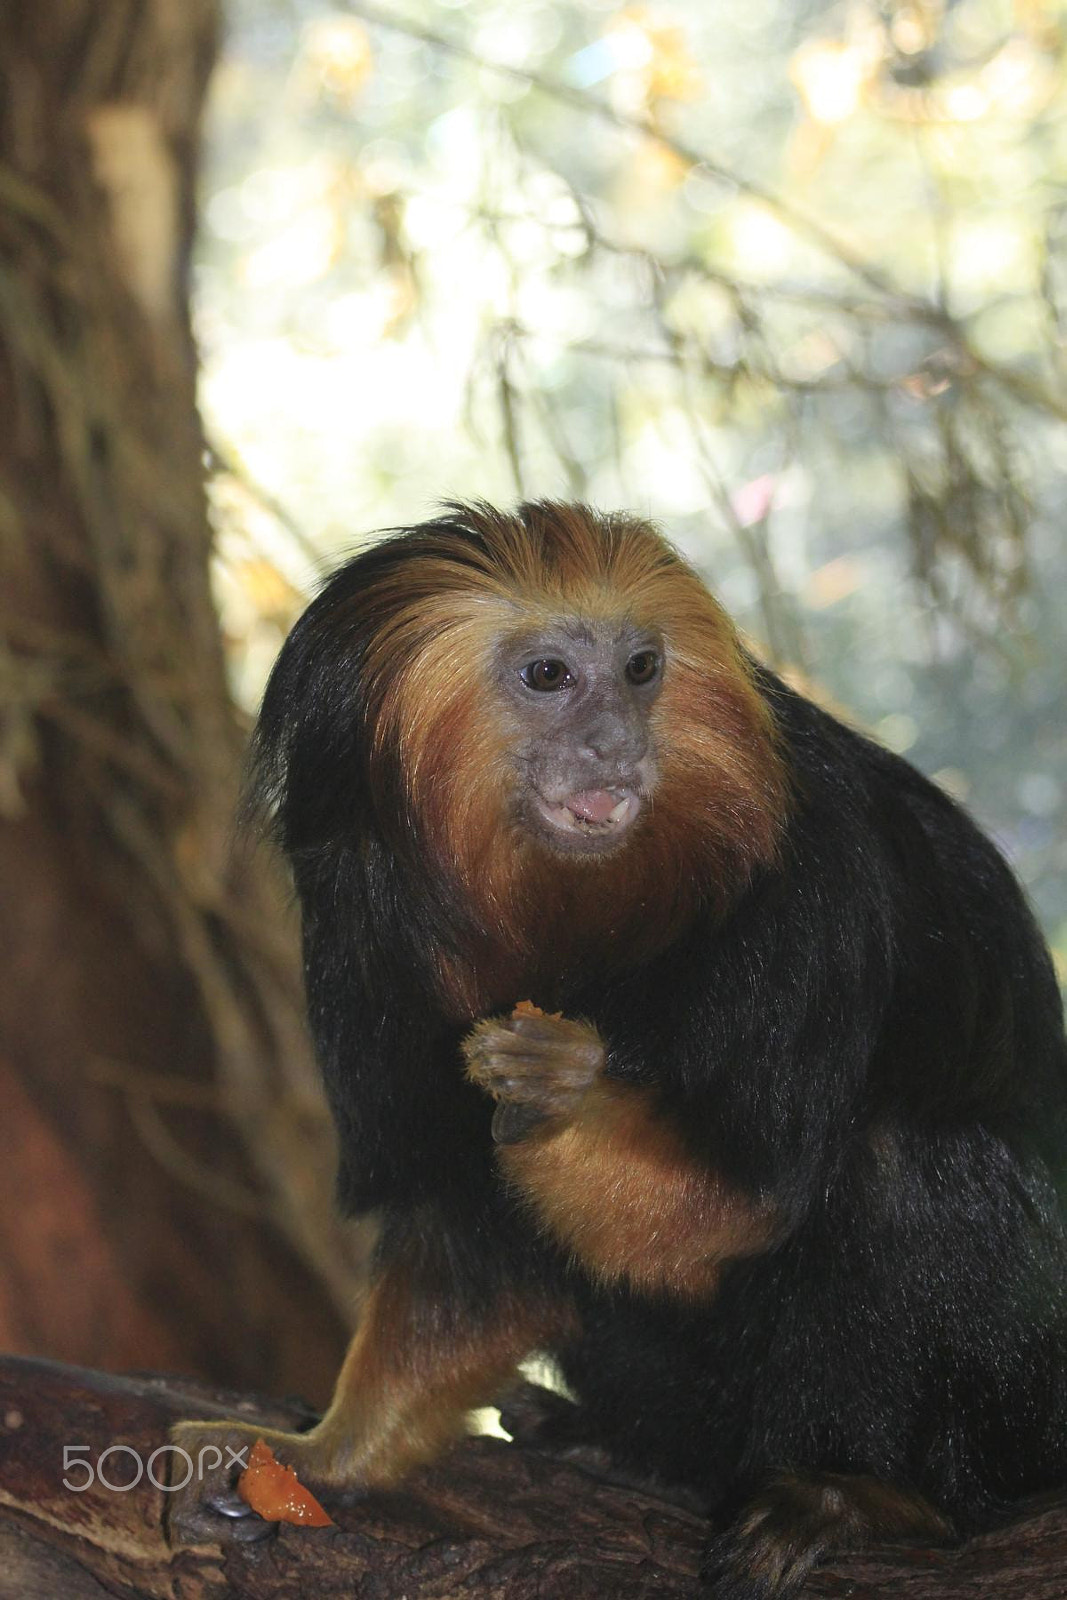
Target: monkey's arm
[
  {"x": 607, "y": 1174},
  {"x": 734, "y": 1067},
  {"x": 428, "y": 1348}
]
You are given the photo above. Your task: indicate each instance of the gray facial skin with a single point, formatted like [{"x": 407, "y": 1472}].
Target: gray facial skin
[{"x": 580, "y": 695}]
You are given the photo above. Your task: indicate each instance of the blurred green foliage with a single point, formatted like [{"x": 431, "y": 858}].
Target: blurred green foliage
[{"x": 788, "y": 276}]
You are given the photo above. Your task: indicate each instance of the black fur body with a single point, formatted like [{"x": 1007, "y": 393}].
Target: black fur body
[{"x": 872, "y": 1036}]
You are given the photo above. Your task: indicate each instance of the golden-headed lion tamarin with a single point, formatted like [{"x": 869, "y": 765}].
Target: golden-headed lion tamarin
[{"x": 776, "y": 1183}]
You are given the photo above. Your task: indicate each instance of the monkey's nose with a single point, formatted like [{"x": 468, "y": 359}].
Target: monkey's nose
[{"x": 614, "y": 741}]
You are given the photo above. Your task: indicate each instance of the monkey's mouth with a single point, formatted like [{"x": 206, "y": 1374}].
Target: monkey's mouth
[{"x": 593, "y": 817}]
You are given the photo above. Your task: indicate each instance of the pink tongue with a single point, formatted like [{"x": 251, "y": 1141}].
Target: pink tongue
[{"x": 592, "y": 805}]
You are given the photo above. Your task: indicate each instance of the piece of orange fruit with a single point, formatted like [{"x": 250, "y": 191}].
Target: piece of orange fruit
[
  {"x": 526, "y": 1008},
  {"x": 276, "y": 1493}
]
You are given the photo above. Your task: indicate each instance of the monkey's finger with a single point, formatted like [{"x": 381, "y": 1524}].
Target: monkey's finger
[
  {"x": 535, "y": 1076},
  {"x": 528, "y": 1082},
  {"x": 525, "y": 1093},
  {"x": 508, "y": 1048},
  {"x": 572, "y": 1041},
  {"x": 494, "y": 1041},
  {"x": 533, "y": 1061},
  {"x": 565, "y": 1057},
  {"x": 486, "y": 1037},
  {"x": 504, "y": 1082},
  {"x": 489, "y": 1067},
  {"x": 560, "y": 1031}
]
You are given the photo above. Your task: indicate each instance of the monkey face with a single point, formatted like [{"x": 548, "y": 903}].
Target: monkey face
[
  {"x": 578, "y": 696},
  {"x": 545, "y": 721}
]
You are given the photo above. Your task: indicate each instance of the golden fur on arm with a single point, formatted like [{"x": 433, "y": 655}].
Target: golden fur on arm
[{"x": 616, "y": 1187}]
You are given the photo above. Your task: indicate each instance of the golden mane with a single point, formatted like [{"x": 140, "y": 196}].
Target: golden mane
[{"x": 720, "y": 798}]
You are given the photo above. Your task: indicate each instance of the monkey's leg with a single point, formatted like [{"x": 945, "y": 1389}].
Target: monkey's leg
[
  {"x": 421, "y": 1359},
  {"x": 607, "y": 1174},
  {"x": 801, "y": 1520}
]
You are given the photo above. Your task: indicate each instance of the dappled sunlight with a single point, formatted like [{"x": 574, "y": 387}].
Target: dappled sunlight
[{"x": 792, "y": 284}]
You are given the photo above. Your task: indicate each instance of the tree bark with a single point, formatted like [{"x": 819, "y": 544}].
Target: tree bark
[
  {"x": 491, "y": 1521},
  {"x": 149, "y": 997}
]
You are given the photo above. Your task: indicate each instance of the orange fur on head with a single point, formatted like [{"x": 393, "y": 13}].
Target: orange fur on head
[{"x": 718, "y": 804}]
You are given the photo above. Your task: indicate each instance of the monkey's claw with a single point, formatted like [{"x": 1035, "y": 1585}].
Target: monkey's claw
[{"x": 218, "y": 1519}]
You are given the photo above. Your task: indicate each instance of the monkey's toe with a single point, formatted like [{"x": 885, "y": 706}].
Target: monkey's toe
[
  {"x": 799, "y": 1521},
  {"x": 203, "y": 1506},
  {"x": 220, "y": 1519},
  {"x": 742, "y": 1564}
]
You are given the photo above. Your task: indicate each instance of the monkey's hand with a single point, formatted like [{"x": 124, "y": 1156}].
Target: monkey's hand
[{"x": 538, "y": 1069}]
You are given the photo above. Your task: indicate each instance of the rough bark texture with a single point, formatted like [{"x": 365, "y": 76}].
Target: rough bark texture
[
  {"x": 149, "y": 1001},
  {"x": 491, "y": 1521}
]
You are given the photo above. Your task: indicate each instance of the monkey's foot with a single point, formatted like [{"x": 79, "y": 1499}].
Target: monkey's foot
[
  {"x": 798, "y": 1522},
  {"x": 203, "y": 1505},
  {"x": 538, "y": 1069}
]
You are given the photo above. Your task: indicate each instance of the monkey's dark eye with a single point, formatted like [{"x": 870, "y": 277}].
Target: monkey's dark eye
[
  {"x": 546, "y": 675},
  {"x": 642, "y": 667}
]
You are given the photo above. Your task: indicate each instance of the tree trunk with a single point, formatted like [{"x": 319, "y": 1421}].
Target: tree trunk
[
  {"x": 490, "y": 1521},
  {"x": 149, "y": 999}
]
